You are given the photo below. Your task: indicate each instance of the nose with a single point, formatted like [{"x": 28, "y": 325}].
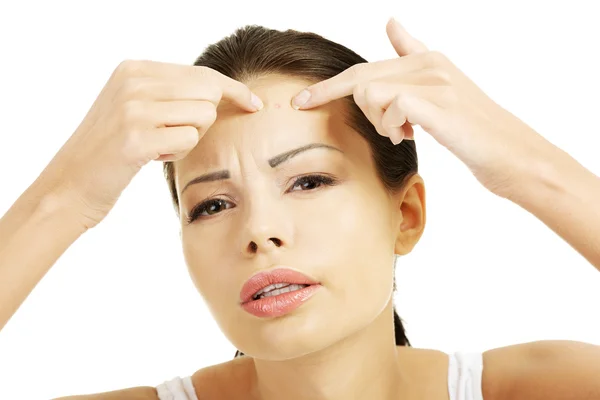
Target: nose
[{"x": 266, "y": 229}]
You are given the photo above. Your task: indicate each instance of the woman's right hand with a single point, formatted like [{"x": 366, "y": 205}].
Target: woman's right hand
[{"x": 146, "y": 111}]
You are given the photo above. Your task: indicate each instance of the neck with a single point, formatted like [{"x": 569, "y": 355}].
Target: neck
[{"x": 362, "y": 366}]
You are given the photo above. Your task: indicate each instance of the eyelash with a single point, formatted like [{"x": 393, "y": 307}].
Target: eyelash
[{"x": 310, "y": 179}]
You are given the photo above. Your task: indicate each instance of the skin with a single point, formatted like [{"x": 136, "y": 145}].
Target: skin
[
  {"x": 351, "y": 354},
  {"x": 341, "y": 342}
]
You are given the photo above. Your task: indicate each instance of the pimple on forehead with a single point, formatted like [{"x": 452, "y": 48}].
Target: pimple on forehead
[{"x": 277, "y": 105}]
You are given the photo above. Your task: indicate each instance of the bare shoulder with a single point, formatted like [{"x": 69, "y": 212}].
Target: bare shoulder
[
  {"x": 424, "y": 357},
  {"x": 230, "y": 380},
  {"x": 426, "y": 369},
  {"x": 549, "y": 370},
  {"x": 234, "y": 379},
  {"x": 135, "y": 393}
]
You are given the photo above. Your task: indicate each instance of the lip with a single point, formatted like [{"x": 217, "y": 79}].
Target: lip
[
  {"x": 266, "y": 278},
  {"x": 281, "y": 304}
]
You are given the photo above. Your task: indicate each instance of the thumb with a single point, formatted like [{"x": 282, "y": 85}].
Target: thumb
[{"x": 403, "y": 42}]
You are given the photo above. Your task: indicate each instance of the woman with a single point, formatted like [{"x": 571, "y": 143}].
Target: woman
[{"x": 273, "y": 195}]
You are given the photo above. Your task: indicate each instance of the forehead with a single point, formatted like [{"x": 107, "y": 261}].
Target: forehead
[{"x": 273, "y": 130}]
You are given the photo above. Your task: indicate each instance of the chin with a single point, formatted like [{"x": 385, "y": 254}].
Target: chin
[
  {"x": 284, "y": 338},
  {"x": 295, "y": 335}
]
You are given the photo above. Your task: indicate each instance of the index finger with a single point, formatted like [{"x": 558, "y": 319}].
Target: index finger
[
  {"x": 236, "y": 92},
  {"x": 343, "y": 84},
  {"x": 233, "y": 90}
]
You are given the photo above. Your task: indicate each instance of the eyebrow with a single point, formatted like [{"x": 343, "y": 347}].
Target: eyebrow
[{"x": 273, "y": 162}]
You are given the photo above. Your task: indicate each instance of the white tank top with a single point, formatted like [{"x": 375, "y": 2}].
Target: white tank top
[{"x": 464, "y": 380}]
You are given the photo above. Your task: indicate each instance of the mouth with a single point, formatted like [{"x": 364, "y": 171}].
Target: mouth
[
  {"x": 277, "y": 289},
  {"x": 276, "y": 292},
  {"x": 274, "y": 282}
]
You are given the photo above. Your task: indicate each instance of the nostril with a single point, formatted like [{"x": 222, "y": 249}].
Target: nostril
[{"x": 253, "y": 247}]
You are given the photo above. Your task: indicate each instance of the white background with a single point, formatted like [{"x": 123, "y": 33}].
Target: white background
[{"x": 119, "y": 310}]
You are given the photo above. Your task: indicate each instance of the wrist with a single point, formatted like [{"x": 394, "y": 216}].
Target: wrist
[{"x": 60, "y": 207}]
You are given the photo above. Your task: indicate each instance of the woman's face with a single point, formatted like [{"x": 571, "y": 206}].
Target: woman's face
[{"x": 340, "y": 230}]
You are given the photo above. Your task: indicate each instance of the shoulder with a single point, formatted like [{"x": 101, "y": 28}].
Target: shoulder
[
  {"x": 424, "y": 361},
  {"x": 549, "y": 370},
  {"x": 134, "y": 393},
  {"x": 211, "y": 382},
  {"x": 427, "y": 370},
  {"x": 231, "y": 380}
]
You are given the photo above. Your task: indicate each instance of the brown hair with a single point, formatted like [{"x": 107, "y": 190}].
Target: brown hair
[{"x": 254, "y": 51}]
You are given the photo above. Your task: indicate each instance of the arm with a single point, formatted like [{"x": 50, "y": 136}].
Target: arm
[
  {"x": 565, "y": 196},
  {"x": 545, "y": 370},
  {"x": 34, "y": 233}
]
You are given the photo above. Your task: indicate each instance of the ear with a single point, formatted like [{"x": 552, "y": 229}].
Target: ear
[{"x": 410, "y": 223}]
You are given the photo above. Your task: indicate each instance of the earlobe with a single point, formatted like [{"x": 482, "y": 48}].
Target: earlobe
[{"x": 411, "y": 225}]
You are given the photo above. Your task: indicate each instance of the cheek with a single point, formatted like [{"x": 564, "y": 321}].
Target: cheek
[
  {"x": 205, "y": 261},
  {"x": 349, "y": 231}
]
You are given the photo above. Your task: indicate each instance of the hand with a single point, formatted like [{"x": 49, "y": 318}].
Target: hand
[
  {"x": 146, "y": 111},
  {"x": 423, "y": 87}
]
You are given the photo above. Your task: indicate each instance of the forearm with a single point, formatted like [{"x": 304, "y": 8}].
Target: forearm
[
  {"x": 566, "y": 197},
  {"x": 34, "y": 233}
]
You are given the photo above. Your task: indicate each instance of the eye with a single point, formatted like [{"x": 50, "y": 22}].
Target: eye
[
  {"x": 305, "y": 183},
  {"x": 208, "y": 208},
  {"x": 311, "y": 182}
]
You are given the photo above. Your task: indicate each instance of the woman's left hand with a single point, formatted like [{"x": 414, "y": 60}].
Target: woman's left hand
[{"x": 425, "y": 88}]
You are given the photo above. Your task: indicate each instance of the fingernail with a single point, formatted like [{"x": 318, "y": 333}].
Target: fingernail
[
  {"x": 396, "y": 134},
  {"x": 256, "y": 102},
  {"x": 301, "y": 99}
]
